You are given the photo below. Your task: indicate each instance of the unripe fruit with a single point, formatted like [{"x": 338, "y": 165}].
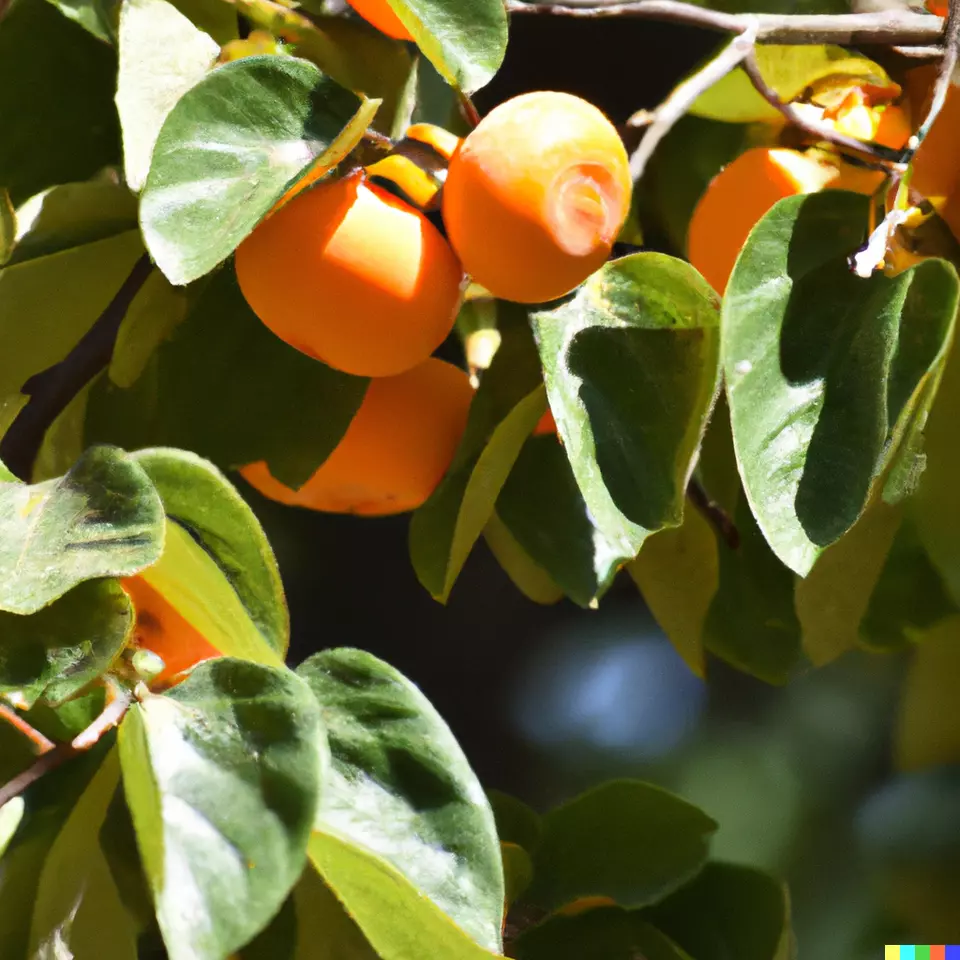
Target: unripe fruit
[
  {"x": 163, "y": 630},
  {"x": 536, "y": 195},
  {"x": 745, "y": 190},
  {"x": 380, "y": 14},
  {"x": 348, "y": 274},
  {"x": 395, "y": 451}
]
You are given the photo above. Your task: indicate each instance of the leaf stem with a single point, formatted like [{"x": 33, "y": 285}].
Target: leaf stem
[
  {"x": 715, "y": 515},
  {"x": 40, "y": 743},
  {"x": 51, "y": 390},
  {"x": 948, "y": 65}
]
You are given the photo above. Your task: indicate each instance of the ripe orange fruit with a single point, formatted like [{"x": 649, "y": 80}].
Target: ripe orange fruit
[
  {"x": 745, "y": 190},
  {"x": 536, "y": 195},
  {"x": 418, "y": 177},
  {"x": 380, "y": 14},
  {"x": 395, "y": 451},
  {"x": 163, "y": 630},
  {"x": 348, "y": 274}
]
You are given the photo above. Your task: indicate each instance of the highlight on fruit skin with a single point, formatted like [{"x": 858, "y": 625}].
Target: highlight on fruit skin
[
  {"x": 536, "y": 195},
  {"x": 379, "y": 13},
  {"x": 741, "y": 193},
  {"x": 164, "y": 631},
  {"x": 352, "y": 276},
  {"x": 395, "y": 451}
]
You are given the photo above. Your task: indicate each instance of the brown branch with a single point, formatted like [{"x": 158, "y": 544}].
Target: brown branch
[
  {"x": 683, "y": 96},
  {"x": 40, "y": 743},
  {"x": 51, "y": 390},
  {"x": 886, "y": 28},
  {"x": 716, "y": 516},
  {"x": 951, "y": 53}
]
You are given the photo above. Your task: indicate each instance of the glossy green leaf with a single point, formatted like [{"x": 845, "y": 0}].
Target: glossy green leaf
[
  {"x": 103, "y": 519},
  {"x": 517, "y": 871},
  {"x": 626, "y": 840},
  {"x": 542, "y": 508},
  {"x": 821, "y": 365},
  {"x": 8, "y": 226},
  {"x": 528, "y": 576},
  {"x": 631, "y": 364},
  {"x": 789, "y": 70},
  {"x": 504, "y": 411},
  {"x": 607, "y": 933},
  {"x": 77, "y": 907},
  {"x": 162, "y": 55},
  {"x": 516, "y": 822},
  {"x": 230, "y": 148},
  {"x": 466, "y": 43},
  {"x": 833, "y": 598},
  {"x": 928, "y": 722},
  {"x": 64, "y": 646},
  {"x": 325, "y": 931},
  {"x": 728, "y": 911},
  {"x": 225, "y": 387},
  {"x": 678, "y": 573},
  {"x": 394, "y": 917},
  {"x": 218, "y": 568},
  {"x": 910, "y": 597},
  {"x": 401, "y": 788},
  {"x": 222, "y": 777},
  {"x": 69, "y": 80}
]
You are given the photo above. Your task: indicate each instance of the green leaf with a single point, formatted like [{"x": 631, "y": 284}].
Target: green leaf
[
  {"x": 60, "y": 649},
  {"x": 278, "y": 941},
  {"x": 162, "y": 55},
  {"x": 466, "y": 44},
  {"x": 728, "y": 911},
  {"x": 789, "y": 70},
  {"x": 231, "y": 147},
  {"x": 325, "y": 931},
  {"x": 78, "y": 908},
  {"x": 223, "y": 778},
  {"x": 103, "y": 519},
  {"x": 220, "y": 573},
  {"x": 225, "y": 387},
  {"x": 607, "y": 933},
  {"x": 516, "y": 822},
  {"x": 631, "y": 364},
  {"x": 401, "y": 788},
  {"x": 910, "y": 597},
  {"x": 821, "y": 365},
  {"x": 392, "y": 914},
  {"x": 69, "y": 78},
  {"x": 928, "y": 722},
  {"x": 11, "y": 814},
  {"x": 503, "y": 413},
  {"x": 8, "y": 226},
  {"x": 626, "y": 840},
  {"x": 834, "y": 597},
  {"x": 528, "y": 576},
  {"x": 678, "y": 573},
  {"x": 517, "y": 871}
]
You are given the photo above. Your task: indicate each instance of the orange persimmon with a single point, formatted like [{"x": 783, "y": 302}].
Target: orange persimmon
[
  {"x": 379, "y": 13},
  {"x": 395, "y": 451}
]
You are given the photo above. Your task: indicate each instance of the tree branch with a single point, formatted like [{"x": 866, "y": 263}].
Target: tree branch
[
  {"x": 52, "y": 389},
  {"x": 948, "y": 65},
  {"x": 683, "y": 97},
  {"x": 887, "y": 28}
]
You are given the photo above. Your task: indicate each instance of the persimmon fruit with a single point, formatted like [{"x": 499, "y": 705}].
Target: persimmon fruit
[
  {"x": 379, "y": 13},
  {"x": 395, "y": 451},
  {"x": 745, "y": 190},
  {"x": 536, "y": 195},
  {"x": 351, "y": 275},
  {"x": 163, "y": 630}
]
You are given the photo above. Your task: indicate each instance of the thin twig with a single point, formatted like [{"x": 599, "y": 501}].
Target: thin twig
[
  {"x": 468, "y": 110},
  {"x": 951, "y": 53},
  {"x": 891, "y": 27},
  {"x": 40, "y": 743},
  {"x": 51, "y": 390},
  {"x": 118, "y": 702},
  {"x": 684, "y": 95},
  {"x": 715, "y": 515},
  {"x": 874, "y": 154}
]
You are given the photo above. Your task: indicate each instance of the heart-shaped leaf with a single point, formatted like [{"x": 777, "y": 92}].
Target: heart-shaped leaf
[
  {"x": 222, "y": 777},
  {"x": 230, "y": 148},
  {"x": 631, "y": 364},
  {"x": 162, "y": 55},
  {"x": 103, "y": 519},
  {"x": 217, "y": 569},
  {"x": 63, "y": 647},
  {"x": 626, "y": 840},
  {"x": 821, "y": 365},
  {"x": 225, "y": 387},
  {"x": 401, "y": 788}
]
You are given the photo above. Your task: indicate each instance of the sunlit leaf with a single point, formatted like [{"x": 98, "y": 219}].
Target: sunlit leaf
[
  {"x": 8, "y": 225},
  {"x": 527, "y": 575},
  {"x": 325, "y": 931}
]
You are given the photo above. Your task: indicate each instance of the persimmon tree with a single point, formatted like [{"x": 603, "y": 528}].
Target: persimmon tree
[{"x": 232, "y": 237}]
